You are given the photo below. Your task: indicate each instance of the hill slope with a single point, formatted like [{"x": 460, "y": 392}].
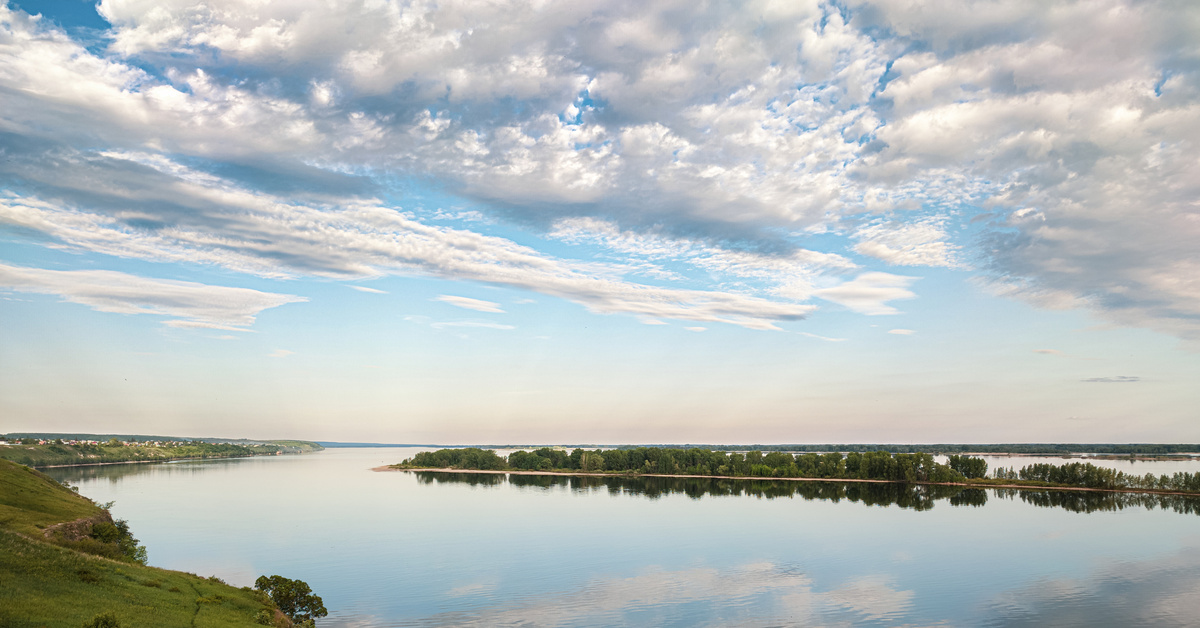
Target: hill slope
[{"x": 45, "y": 584}]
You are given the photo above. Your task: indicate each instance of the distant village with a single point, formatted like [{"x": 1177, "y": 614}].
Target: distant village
[{"x": 114, "y": 442}]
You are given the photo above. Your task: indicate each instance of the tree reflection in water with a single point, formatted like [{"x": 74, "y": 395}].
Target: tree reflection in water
[{"x": 914, "y": 496}]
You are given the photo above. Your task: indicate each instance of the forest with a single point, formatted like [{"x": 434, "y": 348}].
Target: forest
[
  {"x": 854, "y": 465},
  {"x": 879, "y": 465}
]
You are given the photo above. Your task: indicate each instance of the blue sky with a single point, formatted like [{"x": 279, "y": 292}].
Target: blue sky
[{"x": 605, "y": 222}]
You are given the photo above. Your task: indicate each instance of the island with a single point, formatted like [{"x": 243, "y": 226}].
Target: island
[{"x": 829, "y": 466}]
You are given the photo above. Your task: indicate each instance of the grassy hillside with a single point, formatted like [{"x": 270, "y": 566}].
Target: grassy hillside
[
  {"x": 43, "y": 584},
  {"x": 30, "y": 501}
]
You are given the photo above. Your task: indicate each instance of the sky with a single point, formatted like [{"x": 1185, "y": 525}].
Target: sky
[{"x": 602, "y": 222}]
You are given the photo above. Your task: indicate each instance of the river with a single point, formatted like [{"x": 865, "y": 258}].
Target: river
[{"x": 413, "y": 549}]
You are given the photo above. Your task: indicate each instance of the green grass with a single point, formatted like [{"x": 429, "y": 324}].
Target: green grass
[
  {"x": 44, "y": 585},
  {"x": 30, "y": 501}
]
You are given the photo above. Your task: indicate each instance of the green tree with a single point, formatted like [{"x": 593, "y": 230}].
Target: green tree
[
  {"x": 293, "y": 597},
  {"x": 969, "y": 466},
  {"x": 616, "y": 460},
  {"x": 591, "y": 461}
]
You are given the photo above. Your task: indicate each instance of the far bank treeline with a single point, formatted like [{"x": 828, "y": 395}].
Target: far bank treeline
[
  {"x": 37, "y": 452},
  {"x": 1053, "y": 449},
  {"x": 871, "y": 465}
]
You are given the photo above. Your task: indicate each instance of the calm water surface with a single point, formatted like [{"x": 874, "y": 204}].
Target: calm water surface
[{"x": 408, "y": 549}]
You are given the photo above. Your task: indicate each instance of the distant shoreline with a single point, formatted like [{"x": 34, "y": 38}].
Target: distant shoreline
[
  {"x": 1022, "y": 487},
  {"x": 100, "y": 464}
]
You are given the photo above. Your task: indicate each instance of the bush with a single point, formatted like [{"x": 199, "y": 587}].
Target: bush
[{"x": 293, "y": 597}]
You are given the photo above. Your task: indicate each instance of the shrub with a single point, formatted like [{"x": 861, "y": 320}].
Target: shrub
[{"x": 293, "y": 597}]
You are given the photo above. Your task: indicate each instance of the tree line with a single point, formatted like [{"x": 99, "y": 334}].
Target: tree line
[
  {"x": 871, "y": 465},
  {"x": 874, "y": 465},
  {"x": 1150, "y": 449},
  {"x": 1087, "y": 475}
]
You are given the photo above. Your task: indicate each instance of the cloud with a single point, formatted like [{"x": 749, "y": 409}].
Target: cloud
[
  {"x": 1048, "y": 351},
  {"x": 280, "y": 353},
  {"x": 1119, "y": 379},
  {"x": 791, "y": 274},
  {"x": 696, "y": 328},
  {"x": 1086, "y": 136},
  {"x": 471, "y": 304},
  {"x": 369, "y": 290},
  {"x": 825, "y": 338},
  {"x": 919, "y": 243},
  {"x": 869, "y": 293},
  {"x": 189, "y": 304},
  {"x": 902, "y": 332},
  {"x": 720, "y": 140},
  {"x": 277, "y": 238}
]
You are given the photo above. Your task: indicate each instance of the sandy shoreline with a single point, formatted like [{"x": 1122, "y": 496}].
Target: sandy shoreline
[{"x": 841, "y": 480}]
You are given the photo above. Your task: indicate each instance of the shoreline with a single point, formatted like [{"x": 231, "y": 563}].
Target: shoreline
[
  {"x": 99, "y": 464},
  {"x": 387, "y": 468}
]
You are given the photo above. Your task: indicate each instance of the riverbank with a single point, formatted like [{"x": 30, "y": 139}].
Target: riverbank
[
  {"x": 51, "y": 454},
  {"x": 104, "y": 464},
  {"x": 57, "y": 570},
  {"x": 1035, "y": 486}
]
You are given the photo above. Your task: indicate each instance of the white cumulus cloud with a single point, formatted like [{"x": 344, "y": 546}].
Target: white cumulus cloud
[{"x": 714, "y": 141}]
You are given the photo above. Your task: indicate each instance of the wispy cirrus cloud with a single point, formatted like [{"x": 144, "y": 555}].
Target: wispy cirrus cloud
[
  {"x": 1119, "y": 379},
  {"x": 187, "y": 304},
  {"x": 468, "y": 303},
  {"x": 275, "y": 237},
  {"x": 368, "y": 290}
]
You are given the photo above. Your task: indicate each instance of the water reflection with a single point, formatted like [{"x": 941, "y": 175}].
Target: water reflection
[
  {"x": 912, "y": 496},
  {"x": 1159, "y": 592},
  {"x": 116, "y": 472},
  {"x": 1081, "y": 501},
  {"x": 755, "y": 594}
]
